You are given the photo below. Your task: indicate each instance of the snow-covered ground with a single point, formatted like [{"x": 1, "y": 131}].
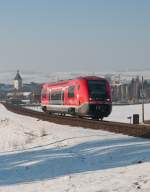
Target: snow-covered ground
[
  {"x": 37, "y": 156},
  {"x": 121, "y": 113}
]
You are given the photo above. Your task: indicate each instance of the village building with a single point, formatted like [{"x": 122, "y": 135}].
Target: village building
[{"x": 17, "y": 82}]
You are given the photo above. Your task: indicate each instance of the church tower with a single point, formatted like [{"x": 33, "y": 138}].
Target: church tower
[{"x": 18, "y": 82}]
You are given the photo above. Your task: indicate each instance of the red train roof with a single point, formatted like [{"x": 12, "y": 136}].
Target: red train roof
[{"x": 64, "y": 82}]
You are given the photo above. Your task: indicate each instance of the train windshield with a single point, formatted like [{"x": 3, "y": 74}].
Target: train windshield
[{"x": 97, "y": 89}]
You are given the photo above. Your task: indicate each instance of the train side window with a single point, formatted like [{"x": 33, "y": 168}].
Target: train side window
[
  {"x": 43, "y": 94},
  {"x": 71, "y": 91},
  {"x": 57, "y": 97}
]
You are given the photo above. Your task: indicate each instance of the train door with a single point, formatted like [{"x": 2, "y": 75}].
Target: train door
[
  {"x": 73, "y": 97},
  {"x": 44, "y": 96},
  {"x": 62, "y": 97},
  {"x": 49, "y": 96}
]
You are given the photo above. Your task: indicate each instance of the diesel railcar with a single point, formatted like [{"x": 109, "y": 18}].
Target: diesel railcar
[{"x": 83, "y": 96}]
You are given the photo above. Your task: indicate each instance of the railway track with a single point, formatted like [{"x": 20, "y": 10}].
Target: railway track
[{"x": 123, "y": 128}]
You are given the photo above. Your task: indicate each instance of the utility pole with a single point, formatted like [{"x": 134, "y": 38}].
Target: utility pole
[{"x": 142, "y": 99}]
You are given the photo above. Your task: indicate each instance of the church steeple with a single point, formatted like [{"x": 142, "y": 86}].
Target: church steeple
[
  {"x": 17, "y": 77},
  {"x": 18, "y": 82}
]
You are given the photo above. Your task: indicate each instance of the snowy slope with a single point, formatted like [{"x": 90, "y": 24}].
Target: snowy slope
[{"x": 37, "y": 156}]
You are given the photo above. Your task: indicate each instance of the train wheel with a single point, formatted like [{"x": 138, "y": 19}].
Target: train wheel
[
  {"x": 95, "y": 118},
  {"x": 101, "y": 118},
  {"x": 62, "y": 114},
  {"x": 71, "y": 111},
  {"x": 44, "y": 109}
]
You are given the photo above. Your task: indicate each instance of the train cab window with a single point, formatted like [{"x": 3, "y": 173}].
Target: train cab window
[
  {"x": 71, "y": 91},
  {"x": 97, "y": 89}
]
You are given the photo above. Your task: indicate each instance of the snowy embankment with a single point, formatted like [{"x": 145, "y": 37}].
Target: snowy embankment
[
  {"x": 37, "y": 156},
  {"x": 121, "y": 113}
]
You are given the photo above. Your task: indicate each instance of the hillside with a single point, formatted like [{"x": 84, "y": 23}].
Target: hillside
[{"x": 41, "y": 156}]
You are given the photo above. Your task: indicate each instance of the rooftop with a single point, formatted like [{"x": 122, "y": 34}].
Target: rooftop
[{"x": 18, "y": 77}]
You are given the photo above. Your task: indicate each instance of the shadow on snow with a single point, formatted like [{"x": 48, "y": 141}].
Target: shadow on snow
[{"x": 43, "y": 164}]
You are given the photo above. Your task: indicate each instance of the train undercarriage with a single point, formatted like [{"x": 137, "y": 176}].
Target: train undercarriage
[{"x": 95, "y": 111}]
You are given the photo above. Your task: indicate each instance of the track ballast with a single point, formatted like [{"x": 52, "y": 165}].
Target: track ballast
[{"x": 123, "y": 128}]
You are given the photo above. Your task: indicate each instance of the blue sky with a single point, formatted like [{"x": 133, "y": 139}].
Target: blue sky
[{"x": 74, "y": 35}]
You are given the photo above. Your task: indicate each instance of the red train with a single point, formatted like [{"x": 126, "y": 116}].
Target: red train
[{"x": 82, "y": 96}]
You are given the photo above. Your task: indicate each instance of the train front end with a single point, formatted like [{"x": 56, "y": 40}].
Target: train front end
[{"x": 99, "y": 104}]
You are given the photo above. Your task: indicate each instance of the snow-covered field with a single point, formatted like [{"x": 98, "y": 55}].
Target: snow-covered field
[
  {"x": 37, "y": 156},
  {"x": 121, "y": 113}
]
